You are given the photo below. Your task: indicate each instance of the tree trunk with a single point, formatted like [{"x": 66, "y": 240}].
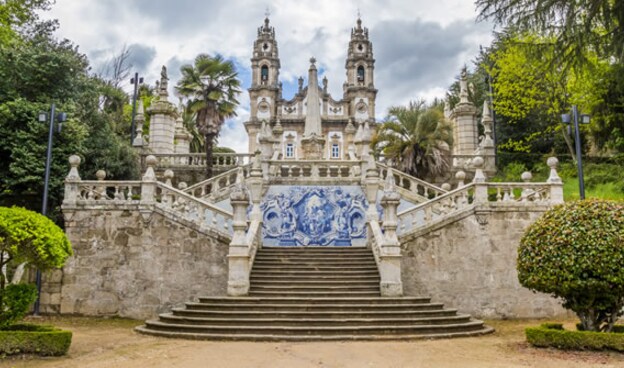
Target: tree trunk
[{"x": 209, "y": 146}]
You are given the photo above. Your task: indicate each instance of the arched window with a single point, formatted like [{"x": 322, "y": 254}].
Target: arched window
[
  {"x": 264, "y": 73},
  {"x": 360, "y": 73}
]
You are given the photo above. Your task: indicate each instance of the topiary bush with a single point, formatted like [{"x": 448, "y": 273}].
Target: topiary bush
[
  {"x": 15, "y": 302},
  {"x": 575, "y": 252},
  {"x": 554, "y": 335},
  {"x": 34, "y": 339}
]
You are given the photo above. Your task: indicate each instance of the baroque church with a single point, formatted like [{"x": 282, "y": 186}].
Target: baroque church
[{"x": 312, "y": 125}]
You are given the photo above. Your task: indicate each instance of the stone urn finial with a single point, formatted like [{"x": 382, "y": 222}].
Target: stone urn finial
[
  {"x": 100, "y": 175},
  {"x": 74, "y": 162},
  {"x": 168, "y": 176},
  {"x": 553, "y": 163},
  {"x": 151, "y": 161},
  {"x": 478, "y": 163},
  {"x": 460, "y": 176}
]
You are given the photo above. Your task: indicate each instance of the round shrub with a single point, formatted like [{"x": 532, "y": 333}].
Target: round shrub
[{"x": 575, "y": 251}]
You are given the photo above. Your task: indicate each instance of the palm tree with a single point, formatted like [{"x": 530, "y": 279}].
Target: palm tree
[
  {"x": 416, "y": 138},
  {"x": 211, "y": 86}
]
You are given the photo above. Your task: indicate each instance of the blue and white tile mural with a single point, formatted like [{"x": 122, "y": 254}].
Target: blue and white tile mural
[{"x": 311, "y": 215}]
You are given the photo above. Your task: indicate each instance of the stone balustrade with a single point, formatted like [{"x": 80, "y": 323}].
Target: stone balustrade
[
  {"x": 198, "y": 160},
  {"x": 218, "y": 187},
  {"x": 483, "y": 194},
  {"x": 314, "y": 171},
  {"x": 146, "y": 196},
  {"x": 411, "y": 187}
]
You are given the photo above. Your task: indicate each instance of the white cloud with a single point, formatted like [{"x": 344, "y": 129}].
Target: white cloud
[{"x": 419, "y": 45}]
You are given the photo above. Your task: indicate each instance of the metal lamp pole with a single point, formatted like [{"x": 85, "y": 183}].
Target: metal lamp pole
[
  {"x": 577, "y": 142},
  {"x": 135, "y": 81},
  {"x": 44, "y": 206}
]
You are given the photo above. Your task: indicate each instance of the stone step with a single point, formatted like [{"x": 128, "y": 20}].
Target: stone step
[
  {"x": 298, "y": 307},
  {"x": 373, "y": 329},
  {"x": 315, "y": 293},
  {"x": 316, "y": 283},
  {"x": 312, "y": 272},
  {"x": 335, "y": 321},
  {"x": 278, "y": 313},
  {"x": 312, "y": 263},
  {"x": 310, "y": 337},
  {"x": 410, "y": 300},
  {"x": 313, "y": 278},
  {"x": 287, "y": 289},
  {"x": 328, "y": 268},
  {"x": 328, "y": 258}
]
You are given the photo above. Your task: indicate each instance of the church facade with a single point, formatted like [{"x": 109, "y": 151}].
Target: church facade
[{"x": 312, "y": 124}]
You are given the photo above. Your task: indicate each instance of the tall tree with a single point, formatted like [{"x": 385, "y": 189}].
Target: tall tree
[
  {"x": 575, "y": 26},
  {"x": 211, "y": 86},
  {"x": 417, "y": 138}
]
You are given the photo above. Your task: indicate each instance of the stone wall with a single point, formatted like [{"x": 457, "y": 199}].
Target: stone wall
[
  {"x": 127, "y": 267},
  {"x": 472, "y": 266}
]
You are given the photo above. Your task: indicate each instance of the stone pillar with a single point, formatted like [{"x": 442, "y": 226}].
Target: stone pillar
[
  {"x": 182, "y": 137},
  {"x": 313, "y": 142},
  {"x": 238, "y": 256},
  {"x": 390, "y": 255},
  {"x": 148, "y": 184},
  {"x": 486, "y": 147},
  {"x": 481, "y": 189},
  {"x": 556, "y": 184},
  {"x": 140, "y": 120},
  {"x": 464, "y": 117},
  {"x": 163, "y": 115},
  {"x": 371, "y": 187},
  {"x": 255, "y": 187},
  {"x": 72, "y": 182}
]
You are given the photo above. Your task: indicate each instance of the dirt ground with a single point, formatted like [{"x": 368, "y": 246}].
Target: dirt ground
[{"x": 113, "y": 343}]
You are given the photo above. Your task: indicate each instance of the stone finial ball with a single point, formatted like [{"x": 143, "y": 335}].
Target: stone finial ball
[
  {"x": 460, "y": 175},
  {"x": 182, "y": 185},
  {"x": 168, "y": 174},
  {"x": 151, "y": 160},
  {"x": 446, "y": 186},
  {"x": 552, "y": 162},
  {"x": 74, "y": 160},
  {"x": 527, "y": 176},
  {"x": 478, "y": 162},
  {"x": 100, "y": 174}
]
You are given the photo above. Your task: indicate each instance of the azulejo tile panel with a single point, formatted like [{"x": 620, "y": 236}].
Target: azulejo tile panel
[{"x": 313, "y": 215}]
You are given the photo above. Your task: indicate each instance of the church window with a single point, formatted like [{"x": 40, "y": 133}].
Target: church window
[
  {"x": 335, "y": 151},
  {"x": 264, "y": 73},
  {"x": 290, "y": 150},
  {"x": 360, "y": 73}
]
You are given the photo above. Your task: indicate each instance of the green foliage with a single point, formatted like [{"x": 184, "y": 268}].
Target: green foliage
[
  {"x": 417, "y": 138},
  {"x": 553, "y": 335},
  {"x": 575, "y": 251},
  {"x": 26, "y": 236},
  {"x": 34, "y": 73},
  {"x": 16, "y": 14},
  {"x": 14, "y": 303},
  {"x": 34, "y": 339},
  {"x": 575, "y": 26},
  {"x": 211, "y": 87}
]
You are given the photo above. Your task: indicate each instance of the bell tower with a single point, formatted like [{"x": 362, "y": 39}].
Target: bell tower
[
  {"x": 360, "y": 86},
  {"x": 265, "y": 88}
]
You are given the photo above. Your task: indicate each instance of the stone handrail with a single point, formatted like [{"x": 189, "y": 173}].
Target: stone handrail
[
  {"x": 464, "y": 198},
  {"x": 376, "y": 238},
  {"x": 198, "y": 160},
  {"x": 253, "y": 239},
  {"x": 407, "y": 184},
  {"x": 189, "y": 208},
  {"x": 314, "y": 171},
  {"x": 217, "y": 187},
  {"x": 97, "y": 191}
]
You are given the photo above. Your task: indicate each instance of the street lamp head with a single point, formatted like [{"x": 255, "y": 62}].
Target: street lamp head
[
  {"x": 585, "y": 119},
  {"x": 43, "y": 117},
  {"x": 61, "y": 117},
  {"x": 565, "y": 118}
]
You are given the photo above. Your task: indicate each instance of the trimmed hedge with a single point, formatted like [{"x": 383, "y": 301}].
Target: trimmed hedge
[
  {"x": 34, "y": 339},
  {"x": 553, "y": 335}
]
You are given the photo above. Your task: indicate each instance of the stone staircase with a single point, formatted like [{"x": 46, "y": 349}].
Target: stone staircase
[{"x": 313, "y": 293}]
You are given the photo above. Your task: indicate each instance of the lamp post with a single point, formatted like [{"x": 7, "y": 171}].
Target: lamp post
[
  {"x": 135, "y": 81},
  {"x": 566, "y": 119},
  {"x": 60, "y": 117}
]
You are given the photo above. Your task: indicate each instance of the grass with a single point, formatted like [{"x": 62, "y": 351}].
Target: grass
[{"x": 601, "y": 191}]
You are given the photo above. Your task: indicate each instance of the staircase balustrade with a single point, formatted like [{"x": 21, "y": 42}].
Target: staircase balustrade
[
  {"x": 316, "y": 171},
  {"x": 218, "y": 187},
  {"x": 198, "y": 160},
  {"x": 411, "y": 187}
]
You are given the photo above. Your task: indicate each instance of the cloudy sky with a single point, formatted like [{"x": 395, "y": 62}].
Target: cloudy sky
[{"x": 419, "y": 45}]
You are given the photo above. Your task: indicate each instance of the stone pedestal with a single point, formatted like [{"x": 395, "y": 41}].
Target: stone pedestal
[{"x": 313, "y": 147}]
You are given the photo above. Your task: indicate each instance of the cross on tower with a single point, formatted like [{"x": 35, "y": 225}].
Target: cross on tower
[{"x": 267, "y": 13}]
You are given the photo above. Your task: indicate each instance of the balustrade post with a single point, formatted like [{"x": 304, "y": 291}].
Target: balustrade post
[
  {"x": 526, "y": 191},
  {"x": 238, "y": 255},
  {"x": 72, "y": 182},
  {"x": 556, "y": 184},
  {"x": 148, "y": 182},
  {"x": 255, "y": 188},
  {"x": 481, "y": 188},
  {"x": 390, "y": 249}
]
